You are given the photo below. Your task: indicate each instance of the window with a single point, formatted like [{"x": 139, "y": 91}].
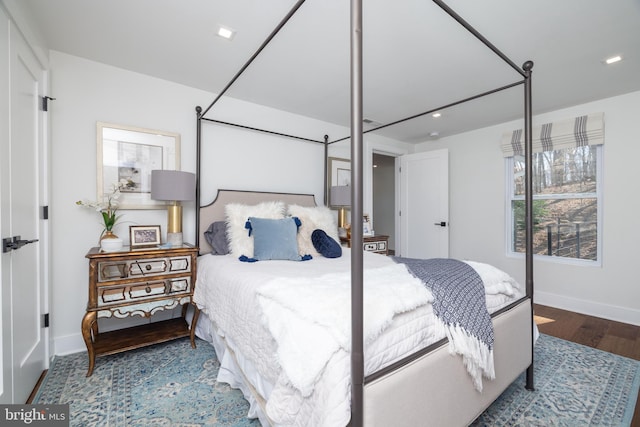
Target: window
[{"x": 566, "y": 182}]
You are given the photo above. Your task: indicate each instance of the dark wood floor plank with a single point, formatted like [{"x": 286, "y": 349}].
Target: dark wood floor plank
[
  {"x": 559, "y": 323},
  {"x": 624, "y": 330},
  {"x": 591, "y": 332},
  {"x": 620, "y": 346}
]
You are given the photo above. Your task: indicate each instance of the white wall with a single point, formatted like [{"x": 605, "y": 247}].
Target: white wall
[
  {"x": 88, "y": 92},
  {"x": 477, "y": 213}
]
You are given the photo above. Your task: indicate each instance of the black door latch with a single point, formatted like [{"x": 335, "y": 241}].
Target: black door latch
[{"x": 13, "y": 243}]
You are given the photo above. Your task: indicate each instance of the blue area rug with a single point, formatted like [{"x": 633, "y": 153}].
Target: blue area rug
[
  {"x": 574, "y": 385},
  {"x": 173, "y": 385},
  {"x": 167, "y": 384}
]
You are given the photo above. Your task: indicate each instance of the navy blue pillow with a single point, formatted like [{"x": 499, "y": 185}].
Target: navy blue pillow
[{"x": 325, "y": 245}]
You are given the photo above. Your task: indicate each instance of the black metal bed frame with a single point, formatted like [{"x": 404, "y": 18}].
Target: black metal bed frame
[{"x": 358, "y": 379}]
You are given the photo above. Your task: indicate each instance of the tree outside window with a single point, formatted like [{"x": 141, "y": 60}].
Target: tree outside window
[{"x": 565, "y": 202}]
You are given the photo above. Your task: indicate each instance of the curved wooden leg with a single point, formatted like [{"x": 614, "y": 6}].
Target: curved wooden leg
[
  {"x": 194, "y": 322},
  {"x": 88, "y": 322}
]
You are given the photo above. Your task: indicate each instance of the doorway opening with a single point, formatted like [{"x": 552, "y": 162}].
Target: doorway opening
[{"x": 384, "y": 197}]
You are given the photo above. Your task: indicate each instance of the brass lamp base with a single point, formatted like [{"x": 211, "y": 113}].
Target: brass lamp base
[
  {"x": 174, "y": 226},
  {"x": 342, "y": 217},
  {"x": 174, "y": 218}
]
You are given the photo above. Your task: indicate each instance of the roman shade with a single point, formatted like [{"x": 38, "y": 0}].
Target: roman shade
[{"x": 577, "y": 132}]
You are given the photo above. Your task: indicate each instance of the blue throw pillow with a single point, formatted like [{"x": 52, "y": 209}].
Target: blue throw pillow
[
  {"x": 325, "y": 245},
  {"x": 274, "y": 238}
]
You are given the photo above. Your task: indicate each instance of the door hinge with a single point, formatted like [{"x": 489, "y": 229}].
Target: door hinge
[
  {"x": 45, "y": 102},
  {"x": 45, "y": 320},
  {"x": 45, "y": 212}
]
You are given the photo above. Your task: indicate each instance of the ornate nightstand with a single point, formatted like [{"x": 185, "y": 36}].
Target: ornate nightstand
[{"x": 138, "y": 282}]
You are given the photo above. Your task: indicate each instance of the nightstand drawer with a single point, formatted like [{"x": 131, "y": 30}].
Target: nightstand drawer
[
  {"x": 147, "y": 266},
  {"x": 151, "y": 289},
  {"x": 371, "y": 247},
  {"x": 118, "y": 270},
  {"x": 179, "y": 285},
  {"x": 140, "y": 291},
  {"x": 380, "y": 246}
]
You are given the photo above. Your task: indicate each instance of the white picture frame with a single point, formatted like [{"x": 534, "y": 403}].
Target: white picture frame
[
  {"x": 144, "y": 236},
  {"x": 367, "y": 227},
  {"x": 339, "y": 173},
  {"x": 129, "y": 154}
]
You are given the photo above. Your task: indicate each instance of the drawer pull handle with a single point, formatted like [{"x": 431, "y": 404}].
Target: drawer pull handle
[
  {"x": 147, "y": 289},
  {"x": 147, "y": 267}
]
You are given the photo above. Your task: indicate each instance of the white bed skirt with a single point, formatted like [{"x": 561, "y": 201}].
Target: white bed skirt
[{"x": 435, "y": 389}]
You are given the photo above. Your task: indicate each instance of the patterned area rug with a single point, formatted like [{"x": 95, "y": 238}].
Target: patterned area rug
[
  {"x": 163, "y": 385},
  {"x": 173, "y": 385}
]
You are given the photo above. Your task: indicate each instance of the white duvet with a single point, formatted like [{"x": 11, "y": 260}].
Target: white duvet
[{"x": 270, "y": 314}]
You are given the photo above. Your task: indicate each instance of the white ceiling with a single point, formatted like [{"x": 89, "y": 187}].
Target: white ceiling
[{"x": 416, "y": 58}]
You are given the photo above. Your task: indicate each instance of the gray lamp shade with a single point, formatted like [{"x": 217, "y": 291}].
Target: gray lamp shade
[
  {"x": 341, "y": 195},
  {"x": 173, "y": 185}
]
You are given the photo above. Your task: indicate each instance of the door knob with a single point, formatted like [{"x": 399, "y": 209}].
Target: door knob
[
  {"x": 10, "y": 244},
  {"x": 441, "y": 224}
]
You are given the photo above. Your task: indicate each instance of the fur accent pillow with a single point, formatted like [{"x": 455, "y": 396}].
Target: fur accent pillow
[
  {"x": 237, "y": 215},
  {"x": 313, "y": 218}
]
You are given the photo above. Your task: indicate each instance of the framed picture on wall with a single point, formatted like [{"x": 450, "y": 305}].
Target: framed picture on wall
[
  {"x": 367, "y": 228},
  {"x": 339, "y": 173},
  {"x": 127, "y": 155}
]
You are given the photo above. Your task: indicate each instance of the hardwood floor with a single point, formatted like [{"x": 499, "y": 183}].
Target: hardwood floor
[{"x": 615, "y": 337}]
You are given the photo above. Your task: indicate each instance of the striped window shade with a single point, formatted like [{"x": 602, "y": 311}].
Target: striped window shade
[{"x": 577, "y": 132}]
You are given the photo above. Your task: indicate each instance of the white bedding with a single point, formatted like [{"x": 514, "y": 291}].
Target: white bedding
[{"x": 251, "y": 307}]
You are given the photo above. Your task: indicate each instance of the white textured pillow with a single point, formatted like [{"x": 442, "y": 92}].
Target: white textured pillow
[
  {"x": 237, "y": 215},
  {"x": 313, "y": 218}
]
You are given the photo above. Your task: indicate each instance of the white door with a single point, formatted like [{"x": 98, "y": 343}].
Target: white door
[
  {"x": 424, "y": 204},
  {"x": 23, "y": 297}
]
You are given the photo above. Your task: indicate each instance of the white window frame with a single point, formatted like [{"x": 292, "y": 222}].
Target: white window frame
[{"x": 509, "y": 198}]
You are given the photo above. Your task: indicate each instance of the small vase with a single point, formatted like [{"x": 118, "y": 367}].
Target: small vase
[
  {"x": 108, "y": 234},
  {"x": 109, "y": 242}
]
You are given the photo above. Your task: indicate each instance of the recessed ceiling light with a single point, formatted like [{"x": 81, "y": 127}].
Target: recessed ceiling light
[
  {"x": 613, "y": 59},
  {"x": 436, "y": 115},
  {"x": 225, "y": 33}
]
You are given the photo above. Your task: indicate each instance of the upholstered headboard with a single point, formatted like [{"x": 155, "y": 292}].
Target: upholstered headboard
[{"x": 215, "y": 210}]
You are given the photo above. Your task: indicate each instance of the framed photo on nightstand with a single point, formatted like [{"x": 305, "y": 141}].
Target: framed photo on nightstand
[{"x": 144, "y": 235}]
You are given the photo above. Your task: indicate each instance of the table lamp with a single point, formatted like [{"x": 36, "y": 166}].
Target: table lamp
[
  {"x": 173, "y": 186},
  {"x": 341, "y": 198}
]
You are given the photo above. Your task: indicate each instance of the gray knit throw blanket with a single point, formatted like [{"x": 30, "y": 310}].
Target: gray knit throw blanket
[{"x": 460, "y": 305}]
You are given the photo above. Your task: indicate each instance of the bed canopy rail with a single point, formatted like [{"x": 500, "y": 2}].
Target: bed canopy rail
[
  {"x": 264, "y": 44},
  {"x": 357, "y": 137}
]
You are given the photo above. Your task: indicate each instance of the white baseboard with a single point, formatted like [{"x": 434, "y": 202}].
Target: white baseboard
[
  {"x": 605, "y": 311},
  {"x": 68, "y": 344}
]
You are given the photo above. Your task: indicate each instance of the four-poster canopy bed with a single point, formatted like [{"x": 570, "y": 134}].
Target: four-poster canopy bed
[{"x": 415, "y": 386}]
